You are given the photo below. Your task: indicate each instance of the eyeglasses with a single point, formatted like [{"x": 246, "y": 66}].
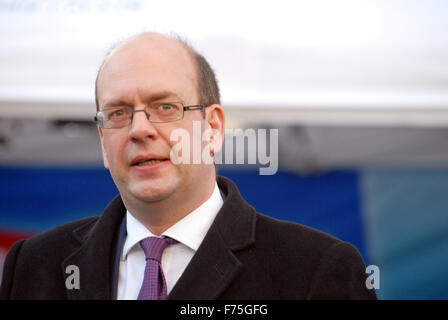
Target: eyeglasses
[{"x": 119, "y": 117}]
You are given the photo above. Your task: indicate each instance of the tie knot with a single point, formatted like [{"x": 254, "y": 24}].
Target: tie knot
[{"x": 153, "y": 247}]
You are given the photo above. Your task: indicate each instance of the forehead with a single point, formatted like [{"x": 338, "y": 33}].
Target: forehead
[{"x": 144, "y": 67}]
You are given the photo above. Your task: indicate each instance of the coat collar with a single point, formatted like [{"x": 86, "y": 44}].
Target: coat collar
[
  {"x": 235, "y": 221},
  {"x": 95, "y": 256},
  {"x": 210, "y": 271},
  {"x": 215, "y": 264}
]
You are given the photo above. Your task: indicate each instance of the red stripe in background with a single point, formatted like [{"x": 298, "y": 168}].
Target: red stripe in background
[{"x": 8, "y": 238}]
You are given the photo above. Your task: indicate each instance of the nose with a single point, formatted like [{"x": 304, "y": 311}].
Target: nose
[{"x": 141, "y": 127}]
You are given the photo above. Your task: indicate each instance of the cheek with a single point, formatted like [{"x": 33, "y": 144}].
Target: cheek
[
  {"x": 114, "y": 151},
  {"x": 170, "y": 137}
]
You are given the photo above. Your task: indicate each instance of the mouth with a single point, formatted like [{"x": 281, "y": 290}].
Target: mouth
[{"x": 147, "y": 162}]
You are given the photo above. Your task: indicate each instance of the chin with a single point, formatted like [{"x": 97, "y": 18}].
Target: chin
[
  {"x": 152, "y": 194},
  {"x": 152, "y": 198}
]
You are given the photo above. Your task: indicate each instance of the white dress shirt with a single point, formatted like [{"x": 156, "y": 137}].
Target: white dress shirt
[{"x": 189, "y": 231}]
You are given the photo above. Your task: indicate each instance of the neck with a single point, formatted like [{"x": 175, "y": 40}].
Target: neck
[{"x": 161, "y": 215}]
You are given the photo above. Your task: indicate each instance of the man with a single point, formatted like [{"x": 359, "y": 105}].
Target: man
[{"x": 210, "y": 243}]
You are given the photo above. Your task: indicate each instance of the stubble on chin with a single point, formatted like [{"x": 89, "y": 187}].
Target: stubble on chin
[
  {"x": 154, "y": 197},
  {"x": 154, "y": 193}
]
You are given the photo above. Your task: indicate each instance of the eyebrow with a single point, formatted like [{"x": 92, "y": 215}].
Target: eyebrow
[
  {"x": 152, "y": 97},
  {"x": 160, "y": 95},
  {"x": 115, "y": 103}
]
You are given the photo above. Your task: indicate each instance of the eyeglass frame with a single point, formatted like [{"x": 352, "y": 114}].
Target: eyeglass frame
[{"x": 148, "y": 115}]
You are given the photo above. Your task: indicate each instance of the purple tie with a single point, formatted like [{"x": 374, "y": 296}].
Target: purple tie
[{"x": 154, "y": 284}]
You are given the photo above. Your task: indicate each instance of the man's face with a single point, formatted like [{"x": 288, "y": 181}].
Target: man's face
[{"x": 139, "y": 73}]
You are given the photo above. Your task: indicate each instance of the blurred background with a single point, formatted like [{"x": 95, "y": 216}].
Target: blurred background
[{"x": 357, "y": 89}]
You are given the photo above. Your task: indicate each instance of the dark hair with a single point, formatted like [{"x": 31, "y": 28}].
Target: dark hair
[
  {"x": 208, "y": 89},
  {"x": 208, "y": 85}
]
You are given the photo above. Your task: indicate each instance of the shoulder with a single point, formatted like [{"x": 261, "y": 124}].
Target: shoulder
[
  {"x": 58, "y": 239},
  {"x": 293, "y": 235},
  {"x": 32, "y": 262},
  {"x": 333, "y": 269},
  {"x": 289, "y": 241}
]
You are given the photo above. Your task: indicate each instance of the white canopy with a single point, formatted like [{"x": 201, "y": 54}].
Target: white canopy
[{"x": 337, "y": 62}]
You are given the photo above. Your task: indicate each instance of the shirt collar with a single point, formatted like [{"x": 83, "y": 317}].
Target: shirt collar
[{"x": 190, "y": 230}]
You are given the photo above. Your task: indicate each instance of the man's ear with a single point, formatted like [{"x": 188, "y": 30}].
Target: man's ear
[
  {"x": 215, "y": 120},
  {"x": 105, "y": 161}
]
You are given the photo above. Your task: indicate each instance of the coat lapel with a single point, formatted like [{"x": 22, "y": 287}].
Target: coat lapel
[
  {"x": 216, "y": 264},
  {"x": 208, "y": 274},
  {"x": 95, "y": 255},
  {"x": 210, "y": 271}
]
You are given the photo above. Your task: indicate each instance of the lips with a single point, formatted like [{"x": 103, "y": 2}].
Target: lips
[{"x": 147, "y": 160}]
